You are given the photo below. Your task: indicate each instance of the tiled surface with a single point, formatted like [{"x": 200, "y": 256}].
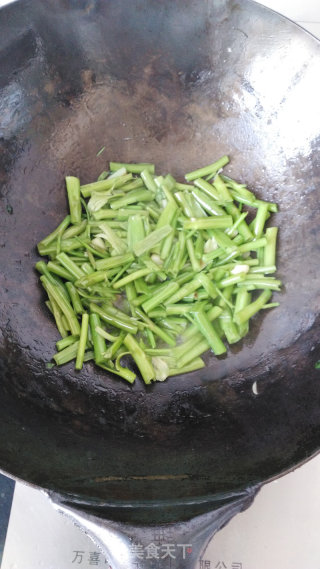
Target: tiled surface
[{"x": 280, "y": 530}]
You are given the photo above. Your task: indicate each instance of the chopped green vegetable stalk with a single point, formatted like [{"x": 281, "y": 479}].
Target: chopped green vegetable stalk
[
  {"x": 212, "y": 169},
  {"x": 270, "y": 248},
  {"x": 252, "y": 245},
  {"x": 162, "y": 270},
  {"x": 114, "y": 347},
  {"x": 73, "y": 191},
  {"x": 224, "y": 194},
  {"x": 242, "y": 227},
  {"x": 82, "y": 340},
  {"x": 70, "y": 265},
  {"x": 190, "y": 207},
  {"x": 260, "y": 219},
  {"x": 148, "y": 181},
  {"x": 58, "y": 316},
  {"x": 103, "y": 185},
  {"x": 229, "y": 328},
  {"x": 105, "y": 334},
  {"x": 151, "y": 240},
  {"x": 66, "y": 355},
  {"x": 52, "y": 236},
  {"x": 132, "y": 277},
  {"x": 248, "y": 311},
  {"x": 208, "y": 285},
  {"x": 136, "y": 230},
  {"x": 194, "y": 365},
  {"x": 186, "y": 289},
  {"x": 140, "y": 357},
  {"x": 108, "y": 234},
  {"x": 162, "y": 294},
  {"x": 113, "y": 320},
  {"x": 217, "y": 222},
  {"x": 65, "y": 307},
  {"x": 243, "y": 298},
  {"x": 207, "y": 188},
  {"x": 59, "y": 270},
  {"x": 212, "y": 314},
  {"x": 65, "y": 342},
  {"x": 92, "y": 279},
  {"x": 75, "y": 298},
  {"x": 202, "y": 321},
  {"x": 134, "y": 168},
  {"x": 75, "y": 230},
  {"x": 165, "y": 336},
  {"x": 55, "y": 280},
  {"x": 132, "y": 197},
  {"x": 196, "y": 349},
  {"x": 195, "y": 264},
  {"x": 207, "y": 203},
  {"x": 271, "y": 305},
  {"x": 99, "y": 345},
  {"x": 112, "y": 262}
]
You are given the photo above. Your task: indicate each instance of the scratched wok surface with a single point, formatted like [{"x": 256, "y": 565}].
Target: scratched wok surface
[{"x": 178, "y": 84}]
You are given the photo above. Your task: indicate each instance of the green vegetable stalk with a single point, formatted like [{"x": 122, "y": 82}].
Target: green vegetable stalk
[{"x": 158, "y": 270}]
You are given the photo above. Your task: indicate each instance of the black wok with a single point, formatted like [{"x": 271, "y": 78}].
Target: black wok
[{"x": 179, "y": 84}]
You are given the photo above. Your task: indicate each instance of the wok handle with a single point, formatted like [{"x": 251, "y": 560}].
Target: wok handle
[{"x": 168, "y": 546}]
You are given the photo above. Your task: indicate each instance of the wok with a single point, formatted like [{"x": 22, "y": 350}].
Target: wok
[{"x": 178, "y": 84}]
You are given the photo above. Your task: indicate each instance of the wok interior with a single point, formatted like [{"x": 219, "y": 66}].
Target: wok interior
[{"x": 178, "y": 84}]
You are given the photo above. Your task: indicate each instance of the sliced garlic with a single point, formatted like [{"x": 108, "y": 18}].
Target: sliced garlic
[
  {"x": 240, "y": 269},
  {"x": 210, "y": 245}
]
